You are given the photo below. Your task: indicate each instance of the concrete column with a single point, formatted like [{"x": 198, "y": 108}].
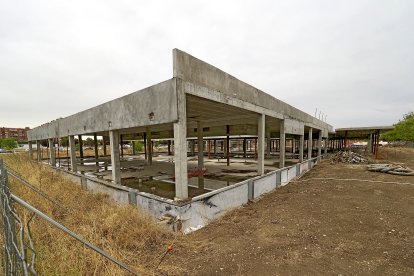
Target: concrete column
[
  {"x": 145, "y": 146},
  {"x": 369, "y": 146},
  {"x": 104, "y": 145},
  {"x": 268, "y": 145},
  {"x": 192, "y": 147},
  {"x": 122, "y": 146},
  {"x": 39, "y": 150},
  {"x": 320, "y": 143},
  {"x": 149, "y": 146},
  {"x": 200, "y": 145},
  {"x": 72, "y": 147},
  {"x": 244, "y": 147},
  {"x": 95, "y": 141},
  {"x": 133, "y": 148},
  {"x": 346, "y": 140},
  {"x": 200, "y": 151},
  {"x": 180, "y": 146},
  {"x": 326, "y": 146},
  {"x": 282, "y": 144},
  {"x": 310, "y": 143},
  {"x": 80, "y": 146},
  {"x": 215, "y": 147},
  {"x": 169, "y": 147},
  {"x": 261, "y": 143},
  {"x": 228, "y": 145},
  {"x": 30, "y": 150},
  {"x": 52, "y": 155},
  {"x": 115, "y": 163},
  {"x": 301, "y": 142}
]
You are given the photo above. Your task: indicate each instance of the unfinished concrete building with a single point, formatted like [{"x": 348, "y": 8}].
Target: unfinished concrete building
[{"x": 200, "y": 105}]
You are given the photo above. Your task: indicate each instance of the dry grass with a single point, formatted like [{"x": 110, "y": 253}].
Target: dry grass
[{"x": 125, "y": 232}]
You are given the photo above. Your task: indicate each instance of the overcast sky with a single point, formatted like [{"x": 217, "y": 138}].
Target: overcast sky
[{"x": 353, "y": 60}]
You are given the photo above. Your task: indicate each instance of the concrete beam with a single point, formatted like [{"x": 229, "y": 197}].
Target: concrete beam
[
  {"x": 233, "y": 91},
  {"x": 294, "y": 127},
  {"x": 72, "y": 147},
  {"x": 180, "y": 146},
  {"x": 310, "y": 143},
  {"x": 157, "y": 105},
  {"x": 52, "y": 155},
  {"x": 115, "y": 163},
  {"x": 260, "y": 143},
  {"x": 282, "y": 144}
]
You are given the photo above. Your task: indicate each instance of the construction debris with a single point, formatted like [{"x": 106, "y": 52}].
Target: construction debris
[
  {"x": 391, "y": 169},
  {"x": 348, "y": 157}
]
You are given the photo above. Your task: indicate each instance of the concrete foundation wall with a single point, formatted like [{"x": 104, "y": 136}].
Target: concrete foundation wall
[
  {"x": 156, "y": 104},
  {"x": 264, "y": 184},
  {"x": 120, "y": 196},
  {"x": 202, "y": 209},
  {"x": 200, "y": 212},
  {"x": 117, "y": 193}
]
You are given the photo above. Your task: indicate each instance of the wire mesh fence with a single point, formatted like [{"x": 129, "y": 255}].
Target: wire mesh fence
[{"x": 19, "y": 254}]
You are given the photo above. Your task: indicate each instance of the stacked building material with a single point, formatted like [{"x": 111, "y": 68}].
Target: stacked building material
[{"x": 348, "y": 157}]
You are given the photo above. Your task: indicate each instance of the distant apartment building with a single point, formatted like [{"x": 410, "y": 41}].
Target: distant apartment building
[{"x": 17, "y": 133}]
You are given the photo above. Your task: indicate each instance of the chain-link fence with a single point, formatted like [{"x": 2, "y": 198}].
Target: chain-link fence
[
  {"x": 18, "y": 250},
  {"x": 18, "y": 253}
]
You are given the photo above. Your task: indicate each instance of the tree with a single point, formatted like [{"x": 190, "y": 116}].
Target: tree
[
  {"x": 139, "y": 146},
  {"x": 64, "y": 141},
  {"x": 403, "y": 131},
  {"x": 8, "y": 143},
  {"x": 89, "y": 142}
]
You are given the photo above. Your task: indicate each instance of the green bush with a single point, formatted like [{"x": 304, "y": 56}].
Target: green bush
[
  {"x": 8, "y": 143},
  {"x": 139, "y": 146},
  {"x": 403, "y": 131}
]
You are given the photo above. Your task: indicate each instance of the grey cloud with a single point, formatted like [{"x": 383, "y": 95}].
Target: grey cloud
[{"x": 350, "y": 59}]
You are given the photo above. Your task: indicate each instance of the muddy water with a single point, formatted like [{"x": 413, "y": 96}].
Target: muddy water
[{"x": 166, "y": 189}]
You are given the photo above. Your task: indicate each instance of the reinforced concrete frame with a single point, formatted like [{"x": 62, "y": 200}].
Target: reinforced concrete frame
[{"x": 199, "y": 101}]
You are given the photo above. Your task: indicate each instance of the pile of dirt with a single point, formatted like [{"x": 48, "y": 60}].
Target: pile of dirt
[
  {"x": 348, "y": 157},
  {"x": 391, "y": 169}
]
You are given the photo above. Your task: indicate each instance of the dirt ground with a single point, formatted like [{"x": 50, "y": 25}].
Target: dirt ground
[{"x": 314, "y": 227}]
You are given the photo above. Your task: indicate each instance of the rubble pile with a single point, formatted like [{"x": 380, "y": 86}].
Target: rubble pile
[
  {"x": 391, "y": 169},
  {"x": 348, "y": 157}
]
